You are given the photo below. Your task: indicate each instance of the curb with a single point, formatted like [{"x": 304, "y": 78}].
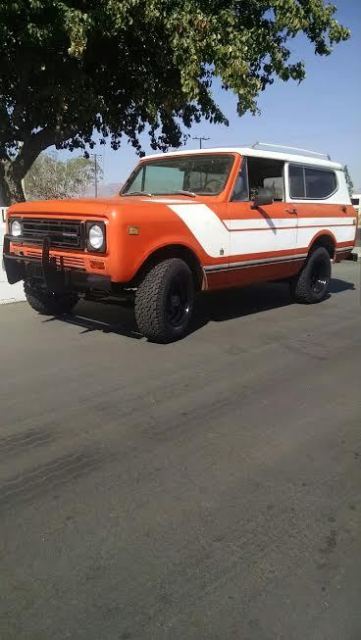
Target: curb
[{"x": 11, "y": 301}]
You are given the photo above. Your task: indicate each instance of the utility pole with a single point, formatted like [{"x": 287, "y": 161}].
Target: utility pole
[
  {"x": 200, "y": 138},
  {"x": 96, "y": 156}
]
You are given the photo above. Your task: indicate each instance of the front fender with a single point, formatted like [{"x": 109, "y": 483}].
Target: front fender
[{"x": 163, "y": 243}]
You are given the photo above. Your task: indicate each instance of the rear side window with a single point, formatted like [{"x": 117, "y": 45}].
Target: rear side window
[
  {"x": 311, "y": 184},
  {"x": 319, "y": 183}
]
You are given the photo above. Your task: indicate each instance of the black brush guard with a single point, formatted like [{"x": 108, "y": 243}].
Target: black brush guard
[{"x": 53, "y": 276}]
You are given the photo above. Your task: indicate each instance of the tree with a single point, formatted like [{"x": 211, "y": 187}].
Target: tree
[
  {"x": 50, "y": 178},
  {"x": 119, "y": 67},
  {"x": 348, "y": 180}
]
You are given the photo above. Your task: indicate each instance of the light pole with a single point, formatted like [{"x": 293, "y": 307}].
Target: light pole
[
  {"x": 200, "y": 138},
  {"x": 96, "y": 156}
]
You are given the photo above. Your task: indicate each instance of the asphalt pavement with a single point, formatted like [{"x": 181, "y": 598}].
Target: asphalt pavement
[{"x": 208, "y": 489}]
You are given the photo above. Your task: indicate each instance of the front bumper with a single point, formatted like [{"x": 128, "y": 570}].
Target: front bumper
[{"x": 52, "y": 272}]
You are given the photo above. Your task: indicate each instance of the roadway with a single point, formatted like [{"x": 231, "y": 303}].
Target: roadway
[{"x": 208, "y": 489}]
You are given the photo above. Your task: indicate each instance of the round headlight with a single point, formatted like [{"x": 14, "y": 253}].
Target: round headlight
[
  {"x": 96, "y": 236},
  {"x": 15, "y": 228}
]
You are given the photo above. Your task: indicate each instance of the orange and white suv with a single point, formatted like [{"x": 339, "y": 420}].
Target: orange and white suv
[{"x": 184, "y": 222}]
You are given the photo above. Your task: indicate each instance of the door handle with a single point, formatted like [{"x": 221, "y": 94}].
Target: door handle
[{"x": 293, "y": 211}]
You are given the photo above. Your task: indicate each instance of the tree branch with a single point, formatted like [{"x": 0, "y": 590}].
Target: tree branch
[{"x": 35, "y": 144}]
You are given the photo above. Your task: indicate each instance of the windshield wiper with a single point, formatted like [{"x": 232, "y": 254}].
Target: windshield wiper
[
  {"x": 179, "y": 192},
  {"x": 137, "y": 193}
]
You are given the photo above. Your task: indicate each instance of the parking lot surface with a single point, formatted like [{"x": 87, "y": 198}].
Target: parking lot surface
[{"x": 208, "y": 489}]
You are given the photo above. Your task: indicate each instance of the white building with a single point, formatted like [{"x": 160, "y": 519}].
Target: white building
[{"x": 356, "y": 200}]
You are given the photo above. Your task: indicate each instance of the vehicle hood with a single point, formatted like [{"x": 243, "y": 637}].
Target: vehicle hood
[
  {"x": 95, "y": 206},
  {"x": 74, "y": 207}
]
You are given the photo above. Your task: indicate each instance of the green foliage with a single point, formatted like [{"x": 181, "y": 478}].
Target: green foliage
[
  {"x": 118, "y": 67},
  {"x": 50, "y": 178},
  {"x": 348, "y": 180}
]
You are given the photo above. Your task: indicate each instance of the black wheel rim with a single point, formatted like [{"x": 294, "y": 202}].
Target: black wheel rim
[
  {"x": 178, "y": 305},
  {"x": 319, "y": 276}
]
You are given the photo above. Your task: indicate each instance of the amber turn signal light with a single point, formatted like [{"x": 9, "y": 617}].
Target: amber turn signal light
[{"x": 97, "y": 264}]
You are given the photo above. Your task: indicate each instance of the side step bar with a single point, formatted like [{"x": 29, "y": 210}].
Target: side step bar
[{"x": 353, "y": 256}]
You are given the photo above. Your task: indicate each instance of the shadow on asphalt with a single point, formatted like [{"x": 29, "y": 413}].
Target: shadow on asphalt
[
  {"x": 210, "y": 307},
  {"x": 337, "y": 286},
  {"x": 108, "y": 318}
]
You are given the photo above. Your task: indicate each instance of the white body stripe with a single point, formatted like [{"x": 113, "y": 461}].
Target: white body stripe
[
  {"x": 247, "y": 236},
  {"x": 206, "y": 227},
  {"x": 262, "y": 241},
  {"x": 342, "y": 234},
  {"x": 248, "y": 223}
]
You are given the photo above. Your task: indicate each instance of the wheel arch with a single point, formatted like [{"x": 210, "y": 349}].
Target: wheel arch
[
  {"x": 173, "y": 251},
  {"x": 324, "y": 239}
]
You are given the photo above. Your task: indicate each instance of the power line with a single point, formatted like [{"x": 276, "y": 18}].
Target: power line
[{"x": 200, "y": 138}]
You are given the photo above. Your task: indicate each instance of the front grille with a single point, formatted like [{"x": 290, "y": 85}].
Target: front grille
[
  {"x": 74, "y": 262},
  {"x": 61, "y": 233}
]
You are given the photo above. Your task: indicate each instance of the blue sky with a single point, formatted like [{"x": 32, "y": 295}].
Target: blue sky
[{"x": 322, "y": 113}]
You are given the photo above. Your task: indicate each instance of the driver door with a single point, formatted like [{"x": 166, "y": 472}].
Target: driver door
[{"x": 263, "y": 236}]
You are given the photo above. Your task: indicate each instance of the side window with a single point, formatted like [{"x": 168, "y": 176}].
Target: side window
[
  {"x": 265, "y": 177},
  {"x": 310, "y": 183},
  {"x": 240, "y": 191},
  {"x": 319, "y": 183},
  {"x": 297, "y": 181}
]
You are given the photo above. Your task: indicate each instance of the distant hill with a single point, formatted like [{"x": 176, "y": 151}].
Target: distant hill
[
  {"x": 109, "y": 189},
  {"x": 105, "y": 190}
]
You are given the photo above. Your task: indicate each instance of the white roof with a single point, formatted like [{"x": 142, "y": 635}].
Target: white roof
[{"x": 257, "y": 153}]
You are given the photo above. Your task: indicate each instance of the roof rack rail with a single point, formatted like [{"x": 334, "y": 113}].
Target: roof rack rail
[{"x": 306, "y": 152}]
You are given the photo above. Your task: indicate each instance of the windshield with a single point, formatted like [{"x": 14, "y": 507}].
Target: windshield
[{"x": 195, "y": 174}]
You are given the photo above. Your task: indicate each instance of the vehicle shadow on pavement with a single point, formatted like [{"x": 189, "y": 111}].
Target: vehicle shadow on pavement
[
  {"x": 337, "y": 286},
  {"x": 109, "y": 318},
  {"x": 235, "y": 303},
  {"x": 115, "y": 317}
]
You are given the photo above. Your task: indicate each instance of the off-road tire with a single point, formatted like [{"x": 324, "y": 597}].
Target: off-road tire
[
  {"x": 48, "y": 303},
  {"x": 156, "y": 298},
  {"x": 311, "y": 284}
]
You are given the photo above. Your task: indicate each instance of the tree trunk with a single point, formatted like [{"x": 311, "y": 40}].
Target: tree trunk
[
  {"x": 4, "y": 190},
  {"x": 11, "y": 189},
  {"x": 12, "y": 172}
]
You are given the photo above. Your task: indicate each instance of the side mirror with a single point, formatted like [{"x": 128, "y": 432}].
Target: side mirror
[{"x": 261, "y": 201}]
